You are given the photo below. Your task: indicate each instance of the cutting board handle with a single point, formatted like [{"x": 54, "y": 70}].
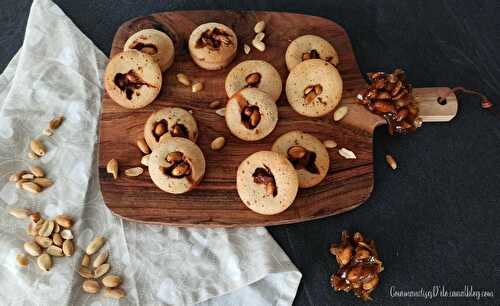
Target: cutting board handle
[{"x": 430, "y": 110}]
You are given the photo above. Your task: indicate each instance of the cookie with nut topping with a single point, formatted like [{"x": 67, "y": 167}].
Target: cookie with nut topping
[
  {"x": 132, "y": 79},
  {"x": 307, "y": 154},
  {"x": 155, "y": 43},
  {"x": 254, "y": 73},
  {"x": 267, "y": 182},
  {"x": 213, "y": 45},
  {"x": 308, "y": 47},
  {"x": 314, "y": 88},
  {"x": 170, "y": 122},
  {"x": 177, "y": 165},
  {"x": 251, "y": 114}
]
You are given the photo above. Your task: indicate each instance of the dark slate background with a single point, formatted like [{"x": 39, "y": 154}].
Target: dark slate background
[{"x": 435, "y": 219}]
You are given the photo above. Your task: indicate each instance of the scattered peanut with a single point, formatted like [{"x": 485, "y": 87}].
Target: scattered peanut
[
  {"x": 197, "y": 86},
  {"x": 183, "y": 79},
  {"x": 31, "y": 187},
  {"x": 112, "y": 168},
  {"x": 114, "y": 293},
  {"x": 55, "y": 251},
  {"x": 259, "y": 26},
  {"x": 136, "y": 171},
  {"x": 66, "y": 234},
  {"x": 111, "y": 281},
  {"x": 35, "y": 217},
  {"x": 260, "y": 36},
  {"x": 44, "y": 261},
  {"x": 246, "y": 48},
  {"x": 37, "y": 171},
  {"x": 85, "y": 261},
  {"x": 100, "y": 259},
  {"x": 44, "y": 242},
  {"x": 391, "y": 161},
  {"x": 68, "y": 248},
  {"x": 418, "y": 122},
  {"x": 221, "y": 112},
  {"x": 19, "y": 184},
  {"x": 85, "y": 272},
  {"x": 37, "y": 147},
  {"x": 56, "y": 122},
  {"x": 347, "y": 154},
  {"x": 259, "y": 45},
  {"x": 64, "y": 221},
  {"x": 43, "y": 182},
  {"x": 57, "y": 239},
  {"x": 145, "y": 160},
  {"x": 330, "y": 144},
  {"x": 101, "y": 270},
  {"x": 215, "y": 104},
  {"x": 22, "y": 260},
  {"x": 32, "y": 155},
  {"x": 32, "y": 248},
  {"x": 20, "y": 213},
  {"x": 47, "y": 228},
  {"x": 340, "y": 113},
  {"x": 28, "y": 176},
  {"x": 91, "y": 286},
  {"x": 218, "y": 143},
  {"x": 95, "y": 245},
  {"x": 143, "y": 146}
]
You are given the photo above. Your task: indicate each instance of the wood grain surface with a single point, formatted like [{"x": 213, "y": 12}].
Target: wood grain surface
[{"x": 215, "y": 201}]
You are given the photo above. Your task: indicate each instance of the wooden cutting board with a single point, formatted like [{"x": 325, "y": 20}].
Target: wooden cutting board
[{"x": 215, "y": 201}]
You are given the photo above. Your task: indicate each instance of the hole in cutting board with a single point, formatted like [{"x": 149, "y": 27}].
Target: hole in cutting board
[{"x": 441, "y": 101}]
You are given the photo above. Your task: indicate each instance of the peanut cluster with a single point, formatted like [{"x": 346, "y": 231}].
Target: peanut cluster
[
  {"x": 250, "y": 116},
  {"x": 359, "y": 265},
  {"x": 389, "y": 95},
  {"x": 253, "y": 79},
  {"x": 265, "y": 177},
  {"x": 129, "y": 82},
  {"x": 179, "y": 167},
  {"x": 178, "y": 130},
  {"x": 213, "y": 39},
  {"x": 302, "y": 159}
]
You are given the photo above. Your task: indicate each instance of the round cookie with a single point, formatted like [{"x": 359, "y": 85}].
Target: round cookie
[
  {"x": 212, "y": 45},
  {"x": 307, "y": 154},
  {"x": 254, "y": 73},
  {"x": 310, "y": 47},
  {"x": 155, "y": 43},
  {"x": 132, "y": 79},
  {"x": 169, "y": 122},
  {"x": 177, "y": 165},
  {"x": 314, "y": 88},
  {"x": 251, "y": 114},
  {"x": 267, "y": 183}
]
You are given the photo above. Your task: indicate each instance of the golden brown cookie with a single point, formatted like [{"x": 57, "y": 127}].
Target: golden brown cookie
[
  {"x": 307, "y": 154},
  {"x": 213, "y": 45},
  {"x": 254, "y": 73},
  {"x": 132, "y": 79},
  {"x": 267, "y": 183},
  {"x": 167, "y": 123},
  {"x": 251, "y": 114},
  {"x": 155, "y": 43},
  {"x": 314, "y": 88},
  {"x": 176, "y": 165},
  {"x": 308, "y": 47}
]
